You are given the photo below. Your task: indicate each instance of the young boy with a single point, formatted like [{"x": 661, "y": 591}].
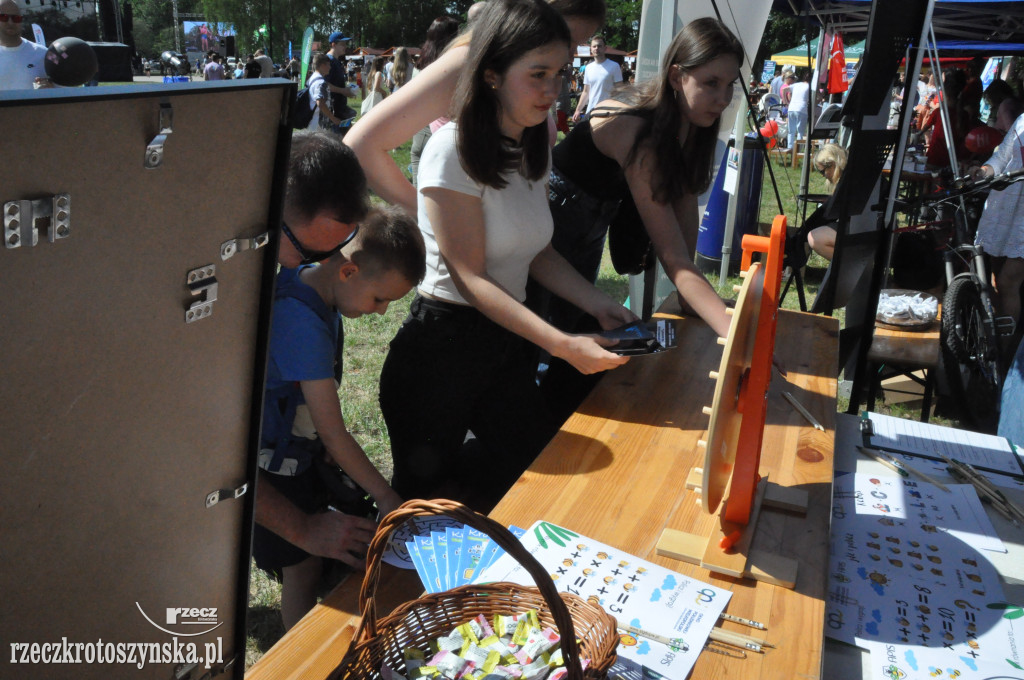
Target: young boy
[
  {"x": 320, "y": 95},
  {"x": 302, "y": 419}
]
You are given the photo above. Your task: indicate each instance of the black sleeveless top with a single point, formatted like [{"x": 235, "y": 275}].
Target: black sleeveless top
[{"x": 577, "y": 159}]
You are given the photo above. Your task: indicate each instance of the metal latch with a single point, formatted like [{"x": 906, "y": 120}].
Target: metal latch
[
  {"x": 229, "y": 248},
  {"x": 219, "y": 495},
  {"x": 155, "y": 149},
  {"x": 25, "y": 220},
  {"x": 201, "y": 282}
]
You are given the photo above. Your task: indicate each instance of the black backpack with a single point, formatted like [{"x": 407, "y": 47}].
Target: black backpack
[{"x": 302, "y": 112}]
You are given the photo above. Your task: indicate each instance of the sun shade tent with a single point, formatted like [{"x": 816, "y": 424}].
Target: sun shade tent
[
  {"x": 983, "y": 20},
  {"x": 797, "y": 56}
]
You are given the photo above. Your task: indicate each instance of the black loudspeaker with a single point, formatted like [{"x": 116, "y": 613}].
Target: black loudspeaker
[
  {"x": 229, "y": 46},
  {"x": 108, "y": 25}
]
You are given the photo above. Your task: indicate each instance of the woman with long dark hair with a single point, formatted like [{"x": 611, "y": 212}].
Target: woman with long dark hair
[
  {"x": 429, "y": 96},
  {"x": 458, "y": 362},
  {"x": 652, "y": 147}
]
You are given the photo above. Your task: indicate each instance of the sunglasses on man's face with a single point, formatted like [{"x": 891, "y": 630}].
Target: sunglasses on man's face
[
  {"x": 16, "y": 18},
  {"x": 310, "y": 256}
]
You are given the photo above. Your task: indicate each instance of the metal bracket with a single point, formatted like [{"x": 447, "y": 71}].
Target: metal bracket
[
  {"x": 229, "y": 248},
  {"x": 219, "y": 495},
  {"x": 201, "y": 282},
  {"x": 155, "y": 149},
  {"x": 25, "y": 220}
]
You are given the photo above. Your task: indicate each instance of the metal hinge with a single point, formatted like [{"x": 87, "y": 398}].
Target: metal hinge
[
  {"x": 155, "y": 149},
  {"x": 201, "y": 282},
  {"x": 25, "y": 220},
  {"x": 229, "y": 248},
  {"x": 219, "y": 495}
]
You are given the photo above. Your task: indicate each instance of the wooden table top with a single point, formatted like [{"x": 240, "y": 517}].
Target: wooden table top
[{"x": 616, "y": 472}]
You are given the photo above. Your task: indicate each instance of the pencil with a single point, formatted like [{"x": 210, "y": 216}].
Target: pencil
[
  {"x": 911, "y": 470},
  {"x": 741, "y": 620},
  {"x": 678, "y": 643},
  {"x": 802, "y": 411},
  {"x": 875, "y": 455},
  {"x": 735, "y": 639},
  {"x": 1004, "y": 506}
]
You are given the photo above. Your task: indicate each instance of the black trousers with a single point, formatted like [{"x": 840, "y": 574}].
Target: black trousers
[{"x": 451, "y": 370}]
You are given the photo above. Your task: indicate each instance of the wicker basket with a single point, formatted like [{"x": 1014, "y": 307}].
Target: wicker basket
[{"x": 420, "y": 621}]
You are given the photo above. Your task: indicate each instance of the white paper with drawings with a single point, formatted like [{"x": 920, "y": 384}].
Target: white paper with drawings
[{"x": 635, "y": 591}]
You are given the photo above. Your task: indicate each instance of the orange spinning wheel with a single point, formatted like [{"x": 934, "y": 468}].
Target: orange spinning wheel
[{"x": 738, "y": 410}]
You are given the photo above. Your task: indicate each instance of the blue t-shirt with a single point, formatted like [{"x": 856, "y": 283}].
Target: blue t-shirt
[{"x": 304, "y": 337}]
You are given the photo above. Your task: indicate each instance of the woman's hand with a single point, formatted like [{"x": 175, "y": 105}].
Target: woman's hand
[
  {"x": 612, "y": 315},
  {"x": 587, "y": 355}
]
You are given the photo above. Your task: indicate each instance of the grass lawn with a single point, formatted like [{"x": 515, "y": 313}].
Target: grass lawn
[{"x": 366, "y": 341}]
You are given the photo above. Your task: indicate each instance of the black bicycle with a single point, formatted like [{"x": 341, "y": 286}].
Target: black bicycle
[{"x": 970, "y": 328}]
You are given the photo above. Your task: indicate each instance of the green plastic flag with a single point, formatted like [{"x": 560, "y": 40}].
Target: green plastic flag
[{"x": 307, "y": 52}]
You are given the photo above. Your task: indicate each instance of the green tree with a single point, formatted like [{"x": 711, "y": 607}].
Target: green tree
[
  {"x": 622, "y": 25},
  {"x": 781, "y": 33}
]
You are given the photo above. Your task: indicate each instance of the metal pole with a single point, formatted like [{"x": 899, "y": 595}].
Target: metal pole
[
  {"x": 177, "y": 31},
  {"x": 730, "y": 211}
]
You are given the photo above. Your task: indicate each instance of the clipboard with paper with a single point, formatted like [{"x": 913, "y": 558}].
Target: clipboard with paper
[{"x": 987, "y": 453}]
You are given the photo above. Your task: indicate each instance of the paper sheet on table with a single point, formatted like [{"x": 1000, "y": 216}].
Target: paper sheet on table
[
  {"x": 924, "y": 441},
  {"x": 925, "y": 603},
  {"x": 958, "y": 513},
  {"x": 636, "y": 592},
  {"x": 396, "y": 553}
]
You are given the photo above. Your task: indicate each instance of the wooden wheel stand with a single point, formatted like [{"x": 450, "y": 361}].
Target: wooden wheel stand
[{"x": 733, "y": 444}]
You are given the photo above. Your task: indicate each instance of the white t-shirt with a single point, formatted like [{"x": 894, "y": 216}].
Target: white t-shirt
[
  {"x": 517, "y": 220},
  {"x": 21, "y": 65},
  {"x": 798, "y": 96},
  {"x": 601, "y": 78},
  {"x": 317, "y": 90}
]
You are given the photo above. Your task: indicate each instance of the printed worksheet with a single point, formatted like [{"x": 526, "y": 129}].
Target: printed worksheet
[
  {"x": 636, "y": 592},
  {"x": 984, "y": 451},
  {"x": 920, "y": 598},
  {"x": 957, "y": 512}
]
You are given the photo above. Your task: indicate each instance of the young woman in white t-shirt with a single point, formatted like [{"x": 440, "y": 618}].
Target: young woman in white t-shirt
[{"x": 459, "y": 363}]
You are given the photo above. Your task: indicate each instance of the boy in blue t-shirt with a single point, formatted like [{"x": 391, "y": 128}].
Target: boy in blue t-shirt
[{"x": 302, "y": 421}]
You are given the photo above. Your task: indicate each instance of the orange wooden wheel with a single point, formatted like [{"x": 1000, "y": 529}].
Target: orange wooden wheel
[{"x": 739, "y": 406}]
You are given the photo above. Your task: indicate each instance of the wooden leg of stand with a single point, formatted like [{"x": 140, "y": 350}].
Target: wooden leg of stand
[{"x": 741, "y": 560}]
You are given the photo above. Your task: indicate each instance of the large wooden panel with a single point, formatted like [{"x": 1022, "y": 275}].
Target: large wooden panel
[{"x": 119, "y": 417}]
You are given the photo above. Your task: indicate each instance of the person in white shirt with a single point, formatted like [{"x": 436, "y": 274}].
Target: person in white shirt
[
  {"x": 320, "y": 94},
  {"x": 599, "y": 78},
  {"x": 22, "y": 63},
  {"x": 458, "y": 364},
  {"x": 797, "y": 101}
]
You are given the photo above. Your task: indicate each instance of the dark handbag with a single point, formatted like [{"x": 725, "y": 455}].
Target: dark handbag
[
  {"x": 344, "y": 495},
  {"x": 628, "y": 243}
]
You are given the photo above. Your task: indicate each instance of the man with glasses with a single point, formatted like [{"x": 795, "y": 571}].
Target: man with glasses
[
  {"x": 22, "y": 63},
  {"x": 325, "y": 197}
]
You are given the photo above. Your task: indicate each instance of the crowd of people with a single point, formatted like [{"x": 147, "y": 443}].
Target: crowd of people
[
  {"x": 501, "y": 232},
  {"x": 505, "y": 276}
]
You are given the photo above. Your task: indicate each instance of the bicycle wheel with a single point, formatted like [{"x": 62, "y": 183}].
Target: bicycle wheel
[{"x": 970, "y": 353}]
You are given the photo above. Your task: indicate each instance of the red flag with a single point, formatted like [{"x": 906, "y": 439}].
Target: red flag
[{"x": 837, "y": 67}]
